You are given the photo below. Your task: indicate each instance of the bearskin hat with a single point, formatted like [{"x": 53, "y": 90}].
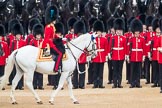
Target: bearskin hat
[
  {"x": 17, "y": 29},
  {"x": 38, "y": 29},
  {"x": 155, "y": 23},
  {"x": 149, "y": 20},
  {"x": 32, "y": 22},
  {"x": 79, "y": 27},
  {"x": 98, "y": 26},
  {"x": 70, "y": 22},
  {"x": 119, "y": 24},
  {"x": 11, "y": 23},
  {"x": 51, "y": 14},
  {"x": 136, "y": 25},
  {"x": 91, "y": 22},
  {"x": 2, "y": 30},
  {"x": 129, "y": 21},
  {"x": 59, "y": 28},
  {"x": 110, "y": 23},
  {"x": 142, "y": 17}
]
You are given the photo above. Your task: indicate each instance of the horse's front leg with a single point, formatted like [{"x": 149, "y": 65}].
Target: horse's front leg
[
  {"x": 71, "y": 90},
  {"x": 63, "y": 77}
]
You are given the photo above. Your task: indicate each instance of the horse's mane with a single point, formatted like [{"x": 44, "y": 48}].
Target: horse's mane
[{"x": 79, "y": 39}]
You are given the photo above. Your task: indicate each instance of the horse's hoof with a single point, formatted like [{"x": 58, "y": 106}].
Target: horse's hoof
[
  {"x": 14, "y": 103},
  {"x": 76, "y": 102},
  {"x": 51, "y": 102},
  {"x": 40, "y": 102}
]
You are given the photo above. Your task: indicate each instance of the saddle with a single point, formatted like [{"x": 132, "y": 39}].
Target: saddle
[{"x": 45, "y": 55}]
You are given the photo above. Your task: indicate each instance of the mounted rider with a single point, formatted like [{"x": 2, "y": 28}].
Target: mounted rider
[{"x": 51, "y": 14}]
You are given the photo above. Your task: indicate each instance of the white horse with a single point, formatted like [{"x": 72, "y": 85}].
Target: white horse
[{"x": 25, "y": 61}]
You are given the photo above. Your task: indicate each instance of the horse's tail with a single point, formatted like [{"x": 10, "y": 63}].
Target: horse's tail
[{"x": 8, "y": 69}]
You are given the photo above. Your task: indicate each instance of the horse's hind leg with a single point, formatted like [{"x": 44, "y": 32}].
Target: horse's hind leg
[
  {"x": 63, "y": 77},
  {"x": 14, "y": 84},
  {"x": 29, "y": 83},
  {"x": 71, "y": 91}
]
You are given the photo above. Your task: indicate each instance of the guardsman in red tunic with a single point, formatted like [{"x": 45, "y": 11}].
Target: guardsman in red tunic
[
  {"x": 136, "y": 53},
  {"x": 10, "y": 36},
  {"x": 3, "y": 51},
  {"x": 79, "y": 79},
  {"x": 16, "y": 44},
  {"x": 99, "y": 60},
  {"x": 110, "y": 33},
  {"x": 154, "y": 53},
  {"x": 128, "y": 35},
  {"x": 32, "y": 22},
  {"x": 70, "y": 24},
  {"x": 38, "y": 32},
  {"x": 118, "y": 51},
  {"x": 91, "y": 69},
  {"x": 148, "y": 38},
  {"x": 51, "y": 15}
]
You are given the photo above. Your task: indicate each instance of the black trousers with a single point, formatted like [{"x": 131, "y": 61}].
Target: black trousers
[
  {"x": 110, "y": 68},
  {"x": 155, "y": 71},
  {"x": 128, "y": 71},
  {"x": 56, "y": 79},
  {"x": 50, "y": 80},
  {"x": 79, "y": 79},
  {"x": 160, "y": 78},
  {"x": 117, "y": 71},
  {"x": 98, "y": 74},
  {"x": 12, "y": 75},
  {"x": 90, "y": 73},
  {"x": 2, "y": 70},
  {"x": 136, "y": 68},
  {"x": 38, "y": 80},
  {"x": 147, "y": 69}
]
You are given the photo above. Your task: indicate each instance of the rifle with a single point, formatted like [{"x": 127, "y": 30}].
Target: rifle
[{"x": 130, "y": 49}]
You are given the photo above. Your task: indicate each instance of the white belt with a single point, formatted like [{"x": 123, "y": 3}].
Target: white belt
[
  {"x": 118, "y": 48},
  {"x": 100, "y": 50},
  {"x": 154, "y": 49},
  {"x": 137, "y": 49}
]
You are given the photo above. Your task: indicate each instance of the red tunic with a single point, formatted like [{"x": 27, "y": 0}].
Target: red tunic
[
  {"x": 102, "y": 50},
  {"x": 16, "y": 44},
  {"x": 35, "y": 42},
  {"x": 154, "y": 48},
  {"x": 137, "y": 50},
  {"x": 160, "y": 46},
  {"x": 29, "y": 38},
  {"x": 119, "y": 47},
  {"x": 3, "y": 57}
]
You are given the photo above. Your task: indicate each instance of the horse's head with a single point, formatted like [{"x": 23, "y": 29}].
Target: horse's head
[{"x": 91, "y": 46}]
